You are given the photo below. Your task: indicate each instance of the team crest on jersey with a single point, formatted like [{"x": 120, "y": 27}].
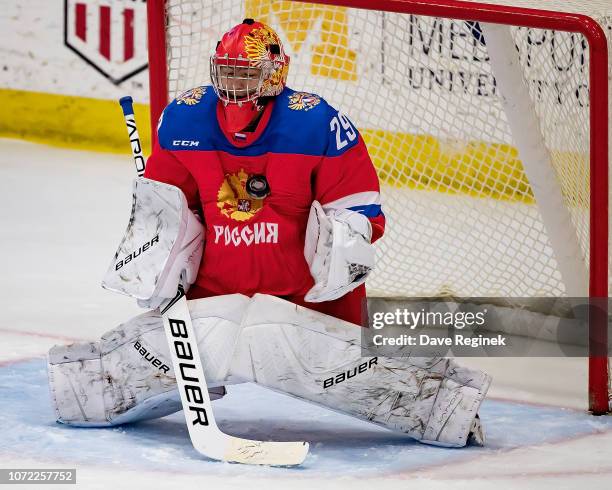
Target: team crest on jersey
[
  {"x": 192, "y": 96},
  {"x": 233, "y": 200},
  {"x": 303, "y": 101}
]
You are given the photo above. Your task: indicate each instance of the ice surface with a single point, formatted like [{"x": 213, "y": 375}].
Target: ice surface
[{"x": 340, "y": 444}]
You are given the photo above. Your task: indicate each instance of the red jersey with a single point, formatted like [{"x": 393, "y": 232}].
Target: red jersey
[{"x": 306, "y": 151}]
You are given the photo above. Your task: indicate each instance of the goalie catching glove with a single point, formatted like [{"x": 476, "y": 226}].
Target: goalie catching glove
[
  {"x": 338, "y": 252},
  {"x": 162, "y": 246}
]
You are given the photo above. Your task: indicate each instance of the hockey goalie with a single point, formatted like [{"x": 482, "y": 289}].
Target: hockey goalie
[{"x": 263, "y": 202}]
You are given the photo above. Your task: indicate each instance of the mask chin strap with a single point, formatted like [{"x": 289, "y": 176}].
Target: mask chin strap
[{"x": 238, "y": 117}]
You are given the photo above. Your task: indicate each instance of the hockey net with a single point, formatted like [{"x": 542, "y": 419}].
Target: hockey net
[{"x": 466, "y": 215}]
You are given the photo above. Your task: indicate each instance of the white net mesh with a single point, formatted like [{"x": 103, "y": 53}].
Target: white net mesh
[{"x": 461, "y": 215}]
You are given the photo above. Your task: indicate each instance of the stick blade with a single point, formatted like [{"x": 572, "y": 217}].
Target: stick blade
[{"x": 246, "y": 451}]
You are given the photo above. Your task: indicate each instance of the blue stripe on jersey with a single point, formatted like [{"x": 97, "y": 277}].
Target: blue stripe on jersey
[
  {"x": 318, "y": 131},
  {"x": 369, "y": 210}
]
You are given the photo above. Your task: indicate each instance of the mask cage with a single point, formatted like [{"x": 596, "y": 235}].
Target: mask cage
[{"x": 223, "y": 71}]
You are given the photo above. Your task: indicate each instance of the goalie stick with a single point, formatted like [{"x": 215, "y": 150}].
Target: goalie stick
[{"x": 205, "y": 435}]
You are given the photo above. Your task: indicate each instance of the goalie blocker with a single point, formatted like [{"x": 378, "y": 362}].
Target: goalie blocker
[{"x": 128, "y": 376}]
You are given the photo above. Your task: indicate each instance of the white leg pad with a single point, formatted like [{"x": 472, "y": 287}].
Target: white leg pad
[
  {"x": 128, "y": 374},
  {"x": 318, "y": 358}
]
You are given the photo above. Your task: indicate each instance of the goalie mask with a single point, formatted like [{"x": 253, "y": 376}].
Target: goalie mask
[{"x": 249, "y": 63}]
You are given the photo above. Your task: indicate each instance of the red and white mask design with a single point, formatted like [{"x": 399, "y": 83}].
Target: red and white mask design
[{"x": 249, "y": 62}]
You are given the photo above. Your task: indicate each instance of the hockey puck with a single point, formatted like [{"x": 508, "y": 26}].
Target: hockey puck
[{"x": 257, "y": 186}]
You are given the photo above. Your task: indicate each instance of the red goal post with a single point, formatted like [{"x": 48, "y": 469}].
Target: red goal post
[{"x": 597, "y": 234}]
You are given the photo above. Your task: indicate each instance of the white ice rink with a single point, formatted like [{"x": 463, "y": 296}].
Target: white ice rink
[{"x": 63, "y": 213}]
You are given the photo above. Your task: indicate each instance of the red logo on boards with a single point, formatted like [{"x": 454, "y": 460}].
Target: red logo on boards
[{"x": 109, "y": 35}]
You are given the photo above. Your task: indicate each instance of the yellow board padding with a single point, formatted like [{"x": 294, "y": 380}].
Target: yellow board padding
[
  {"x": 424, "y": 162},
  {"x": 331, "y": 53},
  {"x": 70, "y": 122},
  {"x": 474, "y": 168}
]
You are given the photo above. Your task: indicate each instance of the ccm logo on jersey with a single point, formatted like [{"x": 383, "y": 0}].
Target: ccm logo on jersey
[
  {"x": 258, "y": 233},
  {"x": 143, "y": 248},
  {"x": 185, "y": 143},
  {"x": 339, "y": 378}
]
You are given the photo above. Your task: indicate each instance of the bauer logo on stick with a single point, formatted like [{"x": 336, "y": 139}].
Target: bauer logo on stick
[{"x": 188, "y": 372}]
